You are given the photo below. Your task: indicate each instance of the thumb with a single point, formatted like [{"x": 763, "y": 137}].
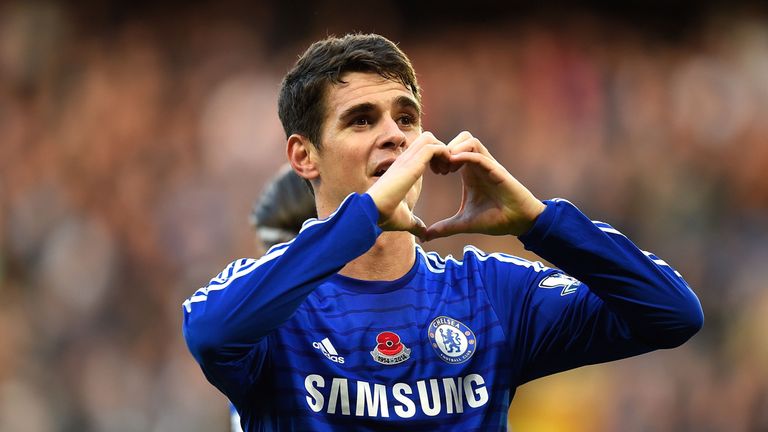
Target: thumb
[
  {"x": 418, "y": 228},
  {"x": 455, "y": 224}
]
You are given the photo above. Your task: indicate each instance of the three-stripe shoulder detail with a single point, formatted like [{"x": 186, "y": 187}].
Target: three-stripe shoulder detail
[
  {"x": 656, "y": 260},
  {"x": 661, "y": 262},
  {"x": 235, "y": 270},
  {"x": 604, "y": 227},
  {"x": 245, "y": 266}
]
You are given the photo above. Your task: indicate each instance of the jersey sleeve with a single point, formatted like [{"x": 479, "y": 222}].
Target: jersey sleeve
[
  {"x": 225, "y": 322},
  {"x": 608, "y": 299}
]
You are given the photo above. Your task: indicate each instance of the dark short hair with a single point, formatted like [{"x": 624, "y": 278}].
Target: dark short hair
[
  {"x": 283, "y": 206},
  {"x": 302, "y": 104}
]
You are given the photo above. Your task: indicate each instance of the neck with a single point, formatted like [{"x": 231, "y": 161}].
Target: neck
[{"x": 390, "y": 258}]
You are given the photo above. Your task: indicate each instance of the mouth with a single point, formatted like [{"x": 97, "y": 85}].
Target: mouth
[{"x": 382, "y": 167}]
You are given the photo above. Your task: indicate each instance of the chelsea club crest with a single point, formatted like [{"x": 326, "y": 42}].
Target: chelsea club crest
[{"x": 453, "y": 341}]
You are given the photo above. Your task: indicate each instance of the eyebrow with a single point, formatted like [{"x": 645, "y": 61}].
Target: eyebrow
[
  {"x": 406, "y": 102},
  {"x": 363, "y": 108},
  {"x": 367, "y": 107}
]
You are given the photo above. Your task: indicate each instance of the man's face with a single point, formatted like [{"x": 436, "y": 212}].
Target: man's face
[{"x": 369, "y": 121}]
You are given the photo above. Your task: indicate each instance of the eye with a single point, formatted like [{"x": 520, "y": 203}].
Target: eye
[
  {"x": 406, "y": 120},
  {"x": 361, "y": 121}
]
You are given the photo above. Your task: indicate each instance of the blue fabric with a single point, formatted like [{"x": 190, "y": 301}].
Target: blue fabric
[{"x": 295, "y": 346}]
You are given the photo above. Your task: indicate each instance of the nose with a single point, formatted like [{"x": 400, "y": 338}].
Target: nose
[{"x": 392, "y": 137}]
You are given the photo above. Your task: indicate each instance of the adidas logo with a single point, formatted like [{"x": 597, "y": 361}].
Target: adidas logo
[{"x": 328, "y": 350}]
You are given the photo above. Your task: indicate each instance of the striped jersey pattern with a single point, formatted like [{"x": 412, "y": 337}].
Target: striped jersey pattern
[{"x": 296, "y": 346}]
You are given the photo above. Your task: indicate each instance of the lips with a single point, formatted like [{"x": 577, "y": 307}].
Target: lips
[{"x": 382, "y": 167}]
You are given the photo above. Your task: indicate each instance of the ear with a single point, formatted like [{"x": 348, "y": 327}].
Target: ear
[{"x": 302, "y": 155}]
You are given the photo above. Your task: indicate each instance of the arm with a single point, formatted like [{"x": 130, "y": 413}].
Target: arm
[
  {"x": 625, "y": 301},
  {"x": 226, "y": 321},
  {"x": 634, "y": 302},
  {"x": 642, "y": 289}
]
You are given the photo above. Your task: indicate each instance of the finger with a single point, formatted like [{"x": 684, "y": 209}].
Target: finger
[
  {"x": 470, "y": 145},
  {"x": 471, "y": 157},
  {"x": 418, "y": 228},
  {"x": 467, "y": 145},
  {"x": 462, "y": 142},
  {"x": 475, "y": 159},
  {"x": 495, "y": 172},
  {"x": 447, "y": 227},
  {"x": 455, "y": 165},
  {"x": 407, "y": 169},
  {"x": 425, "y": 138},
  {"x": 415, "y": 147},
  {"x": 437, "y": 153},
  {"x": 483, "y": 150},
  {"x": 462, "y": 136}
]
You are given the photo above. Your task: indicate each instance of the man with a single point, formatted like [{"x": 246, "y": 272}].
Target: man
[{"x": 351, "y": 325}]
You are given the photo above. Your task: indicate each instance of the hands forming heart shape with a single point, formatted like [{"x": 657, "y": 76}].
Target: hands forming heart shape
[{"x": 492, "y": 201}]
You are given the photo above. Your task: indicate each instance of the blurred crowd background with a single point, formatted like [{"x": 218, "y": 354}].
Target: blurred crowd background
[{"x": 134, "y": 138}]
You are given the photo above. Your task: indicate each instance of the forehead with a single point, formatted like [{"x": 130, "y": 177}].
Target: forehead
[{"x": 360, "y": 87}]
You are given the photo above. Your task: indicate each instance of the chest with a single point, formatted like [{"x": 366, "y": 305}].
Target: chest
[{"x": 425, "y": 350}]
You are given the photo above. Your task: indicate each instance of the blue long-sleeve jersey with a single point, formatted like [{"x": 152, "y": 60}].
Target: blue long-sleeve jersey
[{"x": 296, "y": 346}]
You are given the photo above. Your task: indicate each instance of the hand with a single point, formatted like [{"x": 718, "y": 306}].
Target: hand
[
  {"x": 390, "y": 191},
  {"x": 493, "y": 202}
]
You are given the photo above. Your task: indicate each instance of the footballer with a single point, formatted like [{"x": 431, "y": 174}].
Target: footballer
[{"x": 354, "y": 325}]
